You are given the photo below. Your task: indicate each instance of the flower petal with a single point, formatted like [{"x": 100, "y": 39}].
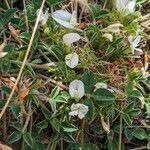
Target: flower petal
[
  {"x": 63, "y": 18},
  {"x": 84, "y": 109},
  {"x": 73, "y": 113},
  {"x": 76, "y": 89},
  {"x": 137, "y": 40},
  {"x": 81, "y": 115},
  {"x": 120, "y": 5},
  {"x": 139, "y": 50},
  {"x": 62, "y": 15},
  {"x": 130, "y": 39},
  {"x": 71, "y": 38},
  {"x": 131, "y": 6},
  {"x": 72, "y": 60}
]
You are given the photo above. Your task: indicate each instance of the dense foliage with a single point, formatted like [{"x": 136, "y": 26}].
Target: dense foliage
[{"x": 85, "y": 84}]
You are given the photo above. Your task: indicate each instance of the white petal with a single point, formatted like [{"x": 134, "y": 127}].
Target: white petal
[
  {"x": 120, "y": 4},
  {"x": 137, "y": 40},
  {"x": 139, "y": 50},
  {"x": 73, "y": 113},
  {"x": 81, "y": 115},
  {"x": 64, "y": 23},
  {"x": 45, "y": 17},
  {"x": 2, "y": 54},
  {"x": 62, "y": 15},
  {"x": 146, "y": 67},
  {"x": 130, "y": 39},
  {"x": 71, "y": 38},
  {"x": 63, "y": 18},
  {"x": 76, "y": 89},
  {"x": 101, "y": 85},
  {"x": 74, "y": 107},
  {"x": 108, "y": 36},
  {"x": 72, "y": 60},
  {"x": 131, "y": 6},
  {"x": 84, "y": 109}
]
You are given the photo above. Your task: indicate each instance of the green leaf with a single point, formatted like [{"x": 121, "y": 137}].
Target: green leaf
[
  {"x": 5, "y": 65},
  {"x": 140, "y": 1},
  {"x": 2, "y": 103},
  {"x": 91, "y": 113},
  {"x": 8, "y": 15},
  {"x": 54, "y": 2},
  {"x": 140, "y": 134},
  {"x": 9, "y": 48},
  {"x": 46, "y": 113},
  {"x": 55, "y": 123},
  {"x": 89, "y": 81},
  {"x": 148, "y": 145},
  {"x": 97, "y": 12},
  {"x": 18, "y": 126},
  {"x": 16, "y": 109},
  {"x": 28, "y": 139},
  {"x": 67, "y": 127},
  {"x": 54, "y": 93},
  {"x": 135, "y": 93},
  {"x": 14, "y": 137},
  {"x": 127, "y": 119},
  {"x": 43, "y": 124},
  {"x": 103, "y": 95},
  {"x": 5, "y": 89}
]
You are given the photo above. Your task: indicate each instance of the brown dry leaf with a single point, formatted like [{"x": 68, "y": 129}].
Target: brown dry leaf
[
  {"x": 23, "y": 93},
  {"x": 4, "y": 147},
  {"x": 15, "y": 33},
  {"x": 83, "y": 25},
  {"x": 105, "y": 126},
  {"x": 10, "y": 82}
]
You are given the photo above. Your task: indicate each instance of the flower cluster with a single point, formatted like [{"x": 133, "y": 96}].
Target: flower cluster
[{"x": 69, "y": 20}]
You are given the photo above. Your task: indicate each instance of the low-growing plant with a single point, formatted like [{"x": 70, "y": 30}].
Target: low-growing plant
[{"x": 83, "y": 81}]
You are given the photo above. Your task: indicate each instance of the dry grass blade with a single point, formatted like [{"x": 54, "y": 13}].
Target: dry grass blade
[
  {"x": 24, "y": 61},
  {"x": 4, "y": 147}
]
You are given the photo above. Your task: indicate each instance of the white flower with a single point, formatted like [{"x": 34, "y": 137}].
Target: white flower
[
  {"x": 43, "y": 17},
  {"x": 76, "y": 89},
  {"x": 126, "y": 6},
  {"x": 65, "y": 18},
  {"x": 144, "y": 70},
  {"x": 79, "y": 110},
  {"x": 102, "y": 85},
  {"x": 108, "y": 36},
  {"x": 113, "y": 28},
  {"x": 134, "y": 43},
  {"x": 72, "y": 60},
  {"x": 70, "y": 38},
  {"x": 2, "y": 54}
]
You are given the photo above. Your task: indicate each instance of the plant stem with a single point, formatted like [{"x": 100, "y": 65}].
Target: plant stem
[
  {"x": 120, "y": 130},
  {"x": 26, "y": 17},
  {"x": 7, "y": 4}
]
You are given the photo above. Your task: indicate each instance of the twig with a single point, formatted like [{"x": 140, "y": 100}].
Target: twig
[
  {"x": 105, "y": 4},
  {"x": 7, "y": 4},
  {"x": 26, "y": 17},
  {"x": 121, "y": 127},
  {"x": 24, "y": 61},
  {"x": 43, "y": 66},
  {"x": 140, "y": 148}
]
